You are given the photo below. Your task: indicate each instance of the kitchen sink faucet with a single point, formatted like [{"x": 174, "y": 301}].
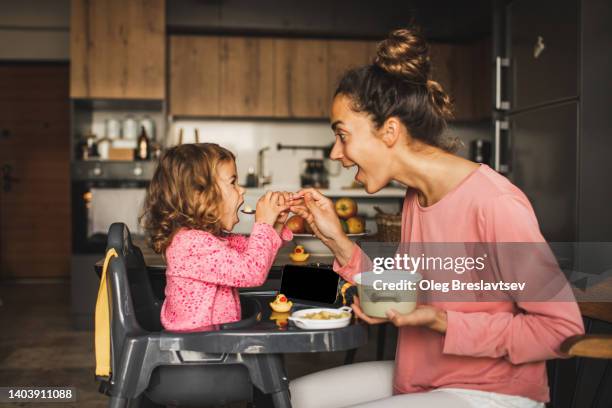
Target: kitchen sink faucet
[{"x": 262, "y": 179}]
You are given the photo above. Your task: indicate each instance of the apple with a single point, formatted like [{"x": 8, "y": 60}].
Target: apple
[
  {"x": 296, "y": 224},
  {"x": 356, "y": 225},
  {"x": 346, "y": 207}
]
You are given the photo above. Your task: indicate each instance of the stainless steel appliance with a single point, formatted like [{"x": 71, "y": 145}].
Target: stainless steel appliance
[{"x": 314, "y": 174}]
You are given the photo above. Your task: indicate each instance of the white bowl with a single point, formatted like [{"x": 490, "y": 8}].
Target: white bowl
[
  {"x": 313, "y": 245},
  {"x": 312, "y": 324},
  {"x": 375, "y": 298}
]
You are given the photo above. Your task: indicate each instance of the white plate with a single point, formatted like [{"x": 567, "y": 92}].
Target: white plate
[{"x": 311, "y": 324}]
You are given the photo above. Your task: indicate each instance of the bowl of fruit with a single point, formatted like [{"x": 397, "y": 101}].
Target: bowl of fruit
[{"x": 352, "y": 224}]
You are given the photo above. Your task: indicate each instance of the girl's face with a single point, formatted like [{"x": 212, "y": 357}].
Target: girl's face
[
  {"x": 232, "y": 193},
  {"x": 358, "y": 144}
]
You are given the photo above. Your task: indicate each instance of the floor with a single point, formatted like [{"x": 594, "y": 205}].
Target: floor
[{"x": 38, "y": 346}]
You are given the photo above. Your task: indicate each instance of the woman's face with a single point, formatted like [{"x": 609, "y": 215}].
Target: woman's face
[
  {"x": 358, "y": 144},
  {"x": 232, "y": 193}
]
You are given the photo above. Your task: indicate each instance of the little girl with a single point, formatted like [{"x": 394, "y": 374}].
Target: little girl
[{"x": 191, "y": 205}]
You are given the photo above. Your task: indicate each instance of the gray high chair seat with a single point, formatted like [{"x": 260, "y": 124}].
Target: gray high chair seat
[{"x": 184, "y": 369}]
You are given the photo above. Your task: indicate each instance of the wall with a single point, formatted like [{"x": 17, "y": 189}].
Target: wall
[
  {"x": 35, "y": 30},
  {"x": 245, "y": 138}
]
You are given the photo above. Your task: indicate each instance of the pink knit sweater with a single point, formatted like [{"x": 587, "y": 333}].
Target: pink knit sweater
[
  {"x": 494, "y": 346},
  {"x": 204, "y": 272}
]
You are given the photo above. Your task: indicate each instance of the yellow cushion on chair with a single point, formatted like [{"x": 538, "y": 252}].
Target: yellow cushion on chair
[{"x": 102, "y": 333}]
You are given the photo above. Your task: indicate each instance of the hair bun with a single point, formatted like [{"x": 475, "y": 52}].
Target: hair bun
[{"x": 405, "y": 53}]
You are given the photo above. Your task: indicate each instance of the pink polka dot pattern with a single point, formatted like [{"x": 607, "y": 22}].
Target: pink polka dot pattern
[{"x": 204, "y": 272}]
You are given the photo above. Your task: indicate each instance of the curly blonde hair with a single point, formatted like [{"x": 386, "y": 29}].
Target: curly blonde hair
[{"x": 184, "y": 193}]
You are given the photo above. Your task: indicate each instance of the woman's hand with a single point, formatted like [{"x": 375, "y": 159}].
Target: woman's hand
[
  {"x": 269, "y": 207},
  {"x": 362, "y": 316},
  {"x": 424, "y": 315},
  {"x": 320, "y": 214}
]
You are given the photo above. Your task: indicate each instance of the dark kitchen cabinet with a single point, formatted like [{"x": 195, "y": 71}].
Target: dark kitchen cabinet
[{"x": 542, "y": 51}]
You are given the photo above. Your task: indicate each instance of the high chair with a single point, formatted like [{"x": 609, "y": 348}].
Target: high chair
[{"x": 136, "y": 358}]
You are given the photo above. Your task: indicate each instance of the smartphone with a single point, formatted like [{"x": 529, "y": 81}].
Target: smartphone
[{"x": 310, "y": 283}]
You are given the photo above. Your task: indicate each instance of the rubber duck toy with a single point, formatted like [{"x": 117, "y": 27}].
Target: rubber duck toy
[
  {"x": 281, "y": 319},
  {"x": 281, "y": 304},
  {"x": 298, "y": 254}
]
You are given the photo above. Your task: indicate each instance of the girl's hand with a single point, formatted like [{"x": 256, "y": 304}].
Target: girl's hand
[
  {"x": 284, "y": 199},
  {"x": 269, "y": 207},
  {"x": 319, "y": 213}
]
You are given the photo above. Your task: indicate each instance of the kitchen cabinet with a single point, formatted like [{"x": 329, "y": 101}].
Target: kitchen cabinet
[
  {"x": 246, "y": 77},
  {"x": 296, "y": 78},
  {"x": 301, "y": 78},
  {"x": 194, "y": 75},
  {"x": 463, "y": 70},
  {"x": 117, "y": 49},
  {"x": 343, "y": 55}
]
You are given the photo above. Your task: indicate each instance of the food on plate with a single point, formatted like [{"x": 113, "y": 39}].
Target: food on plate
[
  {"x": 281, "y": 304},
  {"x": 356, "y": 225},
  {"x": 296, "y": 224},
  {"x": 299, "y": 254},
  {"x": 325, "y": 315},
  {"x": 346, "y": 207},
  {"x": 247, "y": 209}
]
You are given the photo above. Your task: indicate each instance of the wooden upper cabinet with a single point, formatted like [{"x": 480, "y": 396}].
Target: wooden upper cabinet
[
  {"x": 247, "y": 76},
  {"x": 117, "y": 49},
  {"x": 344, "y": 55},
  {"x": 301, "y": 78},
  {"x": 195, "y": 72},
  {"x": 464, "y": 73}
]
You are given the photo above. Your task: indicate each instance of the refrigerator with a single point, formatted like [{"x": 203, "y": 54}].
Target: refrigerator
[{"x": 537, "y": 107}]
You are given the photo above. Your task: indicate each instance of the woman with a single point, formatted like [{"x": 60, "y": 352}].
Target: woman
[{"x": 389, "y": 120}]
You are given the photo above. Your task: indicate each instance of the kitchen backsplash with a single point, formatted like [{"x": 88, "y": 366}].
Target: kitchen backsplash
[{"x": 245, "y": 138}]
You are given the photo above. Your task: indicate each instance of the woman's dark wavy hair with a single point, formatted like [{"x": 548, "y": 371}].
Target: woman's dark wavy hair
[
  {"x": 398, "y": 84},
  {"x": 184, "y": 193}
]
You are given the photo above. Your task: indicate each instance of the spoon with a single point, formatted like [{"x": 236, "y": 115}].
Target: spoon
[{"x": 247, "y": 210}]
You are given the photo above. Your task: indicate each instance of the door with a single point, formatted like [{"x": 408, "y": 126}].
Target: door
[
  {"x": 543, "y": 165},
  {"x": 35, "y": 176},
  {"x": 543, "y": 51}
]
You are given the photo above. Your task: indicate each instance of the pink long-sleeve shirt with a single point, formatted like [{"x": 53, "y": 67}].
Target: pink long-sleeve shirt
[
  {"x": 204, "y": 271},
  {"x": 493, "y": 346}
]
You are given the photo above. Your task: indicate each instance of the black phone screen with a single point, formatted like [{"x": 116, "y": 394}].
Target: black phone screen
[{"x": 310, "y": 283}]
